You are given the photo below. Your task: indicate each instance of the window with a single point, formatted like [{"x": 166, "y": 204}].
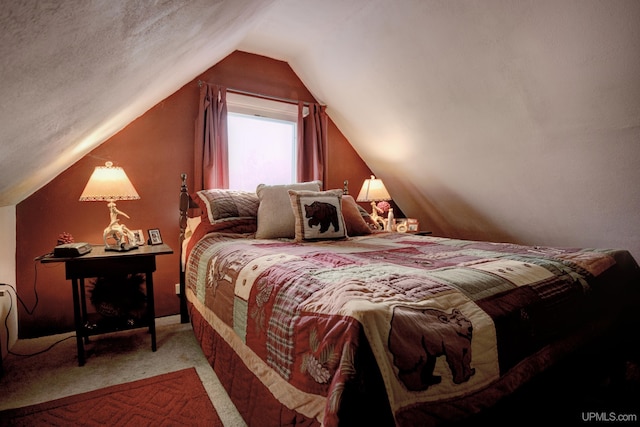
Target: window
[
  {"x": 261, "y": 150},
  {"x": 262, "y": 142}
]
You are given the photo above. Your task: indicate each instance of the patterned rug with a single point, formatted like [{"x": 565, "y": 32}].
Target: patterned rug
[{"x": 173, "y": 399}]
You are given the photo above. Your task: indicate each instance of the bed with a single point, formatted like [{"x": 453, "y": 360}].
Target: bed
[{"x": 311, "y": 317}]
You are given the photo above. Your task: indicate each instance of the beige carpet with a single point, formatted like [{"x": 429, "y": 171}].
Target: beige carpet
[{"x": 111, "y": 359}]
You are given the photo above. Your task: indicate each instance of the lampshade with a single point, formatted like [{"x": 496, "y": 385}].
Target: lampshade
[
  {"x": 108, "y": 183},
  {"x": 373, "y": 190}
]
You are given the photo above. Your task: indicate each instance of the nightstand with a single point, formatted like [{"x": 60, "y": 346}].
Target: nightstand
[{"x": 100, "y": 263}]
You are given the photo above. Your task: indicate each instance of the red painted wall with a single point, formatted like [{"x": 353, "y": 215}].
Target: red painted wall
[{"x": 153, "y": 150}]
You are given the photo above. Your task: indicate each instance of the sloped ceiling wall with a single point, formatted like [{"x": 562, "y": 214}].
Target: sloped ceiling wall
[
  {"x": 504, "y": 120},
  {"x": 74, "y": 73}
]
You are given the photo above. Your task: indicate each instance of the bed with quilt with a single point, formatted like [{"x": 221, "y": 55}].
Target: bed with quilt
[{"x": 310, "y": 317}]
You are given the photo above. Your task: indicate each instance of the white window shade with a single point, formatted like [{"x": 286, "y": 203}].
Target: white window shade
[{"x": 255, "y": 106}]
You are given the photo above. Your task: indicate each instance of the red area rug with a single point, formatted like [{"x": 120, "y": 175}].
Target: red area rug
[{"x": 173, "y": 399}]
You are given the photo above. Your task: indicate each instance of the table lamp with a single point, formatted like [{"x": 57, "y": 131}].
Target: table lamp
[
  {"x": 373, "y": 190},
  {"x": 110, "y": 183}
]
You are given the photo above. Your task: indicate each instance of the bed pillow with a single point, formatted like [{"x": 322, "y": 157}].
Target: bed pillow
[
  {"x": 192, "y": 226},
  {"x": 223, "y": 204},
  {"x": 192, "y": 223},
  {"x": 353, "y": 218},
  {"x": 275, "y": 216},
  {"x": 318, "y": 215}
]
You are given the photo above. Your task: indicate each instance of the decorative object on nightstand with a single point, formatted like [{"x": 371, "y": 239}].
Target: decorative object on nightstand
[
  {"x": 139, "y": 235},
  {"x": 154, "y": 236},
  {"x": 390, "y": 225},
  {"x": 64, "y": 238},
  {"x": 409, "y": 225},
  {"x": 373, "y": 190},
  {"x": 110, "y": 183}
]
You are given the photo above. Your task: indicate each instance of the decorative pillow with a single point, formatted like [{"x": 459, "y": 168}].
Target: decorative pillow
[
  {"x": 275, "y": 217},
  {"x": 353, "y": 218},
  {"x": 366, "y": 215},
  {"x": 218, "y": 204},
  {"x": 367, "y": 218},
  {"x": 318, "y": 215}
]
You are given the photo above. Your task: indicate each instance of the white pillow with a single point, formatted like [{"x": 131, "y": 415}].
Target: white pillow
[
  {"x": 275, "y": 215},
  {"x": 192, "y": 223}
]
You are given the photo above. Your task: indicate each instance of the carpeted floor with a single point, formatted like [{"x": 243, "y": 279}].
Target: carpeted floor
[
  {"x": 177, "y": 398},
  {"x": 111, "y": 359}
]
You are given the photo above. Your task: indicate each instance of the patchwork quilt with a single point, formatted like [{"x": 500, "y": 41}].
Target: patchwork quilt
[{"x": 446, "y": 320}]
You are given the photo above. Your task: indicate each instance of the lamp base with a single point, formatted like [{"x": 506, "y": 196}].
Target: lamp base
[
  {"x": 124, "y": 247},
  {"x": 377, "y": 219}
]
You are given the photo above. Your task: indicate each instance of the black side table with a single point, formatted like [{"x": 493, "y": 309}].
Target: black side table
[{"x": 99, "y": 263}]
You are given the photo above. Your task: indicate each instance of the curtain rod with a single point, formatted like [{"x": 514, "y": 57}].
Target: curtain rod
[{"x": 260, "y": 95}]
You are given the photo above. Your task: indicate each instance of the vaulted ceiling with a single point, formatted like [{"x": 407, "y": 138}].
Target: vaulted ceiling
[{"x": 484, "y": 114}]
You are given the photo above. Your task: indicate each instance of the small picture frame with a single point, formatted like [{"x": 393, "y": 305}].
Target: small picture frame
[
  {"x": 139, "y": 237},
  {"x": 154, "y": 236},
  {"x": 412, "y": 224}
]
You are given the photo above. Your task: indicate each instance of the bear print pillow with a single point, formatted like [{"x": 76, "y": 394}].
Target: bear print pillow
[{"x": 318, "y": 215}]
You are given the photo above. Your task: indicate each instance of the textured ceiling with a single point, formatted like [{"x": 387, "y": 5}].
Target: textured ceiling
[
  {"x": 73, "y": 73},
  {"x": 480, "y": 114}
]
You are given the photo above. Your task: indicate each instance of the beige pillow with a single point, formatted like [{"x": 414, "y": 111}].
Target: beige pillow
[
  {"x": 318, "y": 215},
  {"x": 275, "y": 216},
  {"x": 356, "y": 225}
]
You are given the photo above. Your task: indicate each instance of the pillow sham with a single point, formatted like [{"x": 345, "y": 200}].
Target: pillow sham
[
  {"x": 275, "y": 216},
  {"x": 353, "y": 218},
  {"x": 318, "y": 215},
  {"x": 218, "y": 204}
]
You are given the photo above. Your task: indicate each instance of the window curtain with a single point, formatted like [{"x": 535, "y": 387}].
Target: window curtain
[
  {"x": 211, "y": 168},
  {"x": 312, "y": 142}
]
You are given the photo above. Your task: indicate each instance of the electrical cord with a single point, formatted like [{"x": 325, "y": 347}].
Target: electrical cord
[{"x": 30, "y": 312}]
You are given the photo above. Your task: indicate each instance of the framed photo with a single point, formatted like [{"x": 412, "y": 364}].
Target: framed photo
[
  {"x": 412, "y": 224},
  {"x": 154, "y": 236},
  {"x": 139, "y": 235}
]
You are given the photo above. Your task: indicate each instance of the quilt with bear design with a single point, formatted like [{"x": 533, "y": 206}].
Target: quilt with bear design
[{"x": 445, "y": 319}]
